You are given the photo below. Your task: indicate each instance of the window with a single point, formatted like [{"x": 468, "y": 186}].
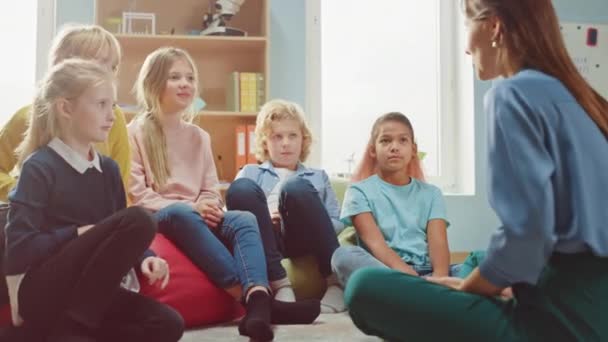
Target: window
[
  {"x": 25, "y": 31},
  {"x": 369, "y": 58}
]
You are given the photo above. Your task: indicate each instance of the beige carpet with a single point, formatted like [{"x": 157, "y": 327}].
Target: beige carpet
[{"x": 328, "y": 327}]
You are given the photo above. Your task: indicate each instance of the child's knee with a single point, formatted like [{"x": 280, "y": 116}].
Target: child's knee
[
  {"x": 142, "y": 220},
  {"x": 342, "y": 255},
  {"x": 180, "y": 216},
  {"x": 241, "y": 186},
  {"x": 241, "y": 220},
  {"x": 337, "y": 257},
  {"x": 297, "y": 186}
]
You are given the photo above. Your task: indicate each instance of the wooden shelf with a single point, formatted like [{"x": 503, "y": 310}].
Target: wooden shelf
[
  {"x": 216, "y": 58},
  {"x": 183, "y": 16},
  {"x": 129, "y": 114},
  {"x": 227, "y": 113},
  {"x": 193, "y": 43}
]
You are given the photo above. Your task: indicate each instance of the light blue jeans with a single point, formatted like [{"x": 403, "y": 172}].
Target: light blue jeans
[
  {"x": 230, "y": 254},
  {"x": 347, "y": 259}
]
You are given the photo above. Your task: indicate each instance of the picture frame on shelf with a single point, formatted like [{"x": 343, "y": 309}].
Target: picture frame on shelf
[{"x": 129, "y": 19}]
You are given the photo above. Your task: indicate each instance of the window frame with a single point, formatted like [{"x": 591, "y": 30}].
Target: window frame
[
  {"x": 455, "y": 103},
  {"x": 45, "y": 27}
]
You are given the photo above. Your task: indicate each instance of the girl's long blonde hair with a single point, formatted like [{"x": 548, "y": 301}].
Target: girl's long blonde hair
[
  {"x": 67, "y": 80},
  {"x": 148, "y": 89},
  {"x": 86, "y": 42},
  {"x": 368, "y": 165},
  {"x": 277, "y": 110}
]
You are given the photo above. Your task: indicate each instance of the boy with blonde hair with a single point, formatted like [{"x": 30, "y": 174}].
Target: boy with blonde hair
[{"x": 295, "y": 206}]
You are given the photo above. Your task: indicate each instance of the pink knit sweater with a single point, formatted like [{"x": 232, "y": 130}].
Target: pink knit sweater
[{"x": 192, "y": 170}]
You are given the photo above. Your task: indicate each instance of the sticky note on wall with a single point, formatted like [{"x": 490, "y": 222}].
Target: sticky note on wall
[{"x": 592, "y": 36}]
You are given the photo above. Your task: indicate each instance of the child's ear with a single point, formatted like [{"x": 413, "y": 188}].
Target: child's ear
[
  {"x": 371, "y": 149},
  {"x": 64, "y": 108}
]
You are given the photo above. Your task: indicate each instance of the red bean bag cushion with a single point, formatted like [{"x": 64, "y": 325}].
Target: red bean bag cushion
[
  {"x": 190, "y": 291},
  {"x": 5, "y": 316}
]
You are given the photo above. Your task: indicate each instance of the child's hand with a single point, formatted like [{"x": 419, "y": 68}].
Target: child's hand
[
  {"x": 507, "y": 293},
  {"x": 12, "y": 282},
  {"x": 83, "y": 229},
  {"x": 451, "y": 282},
  {"x": 276, "y": 220},
  {"x": 211, "y": 212},
  {"x": 155, "y": 269},
  {"x": 407, "y": 269}
]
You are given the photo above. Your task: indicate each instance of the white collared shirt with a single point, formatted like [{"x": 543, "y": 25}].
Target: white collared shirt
[
  {"x": 72, "y": 157},
  {"x": 273, "y": 197}
]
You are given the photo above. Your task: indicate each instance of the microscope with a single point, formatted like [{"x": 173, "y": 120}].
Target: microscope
[{"x": 214, "y": 21}]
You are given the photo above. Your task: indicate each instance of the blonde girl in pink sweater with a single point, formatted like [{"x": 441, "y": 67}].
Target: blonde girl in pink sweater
[{"x": 174, "y": 175}]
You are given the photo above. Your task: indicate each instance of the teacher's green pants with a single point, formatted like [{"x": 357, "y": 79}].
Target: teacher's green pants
[{"x": 569, "y": 303}]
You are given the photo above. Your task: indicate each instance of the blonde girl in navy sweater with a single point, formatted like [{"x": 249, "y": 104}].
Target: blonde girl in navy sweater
[{"x": 71, "y": 241}]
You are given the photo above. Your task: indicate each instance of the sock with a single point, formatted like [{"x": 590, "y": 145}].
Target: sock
[
  {"x": 285, "y": 294},
  {"x": 283, "y": 290},
  {"x": 256, "y": 323},
  {"x": 333, "y": 300},
  {"x": 301, "y": 312}
]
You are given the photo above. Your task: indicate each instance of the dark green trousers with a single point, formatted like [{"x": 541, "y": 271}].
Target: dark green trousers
[{"x": 569, "y": 303}]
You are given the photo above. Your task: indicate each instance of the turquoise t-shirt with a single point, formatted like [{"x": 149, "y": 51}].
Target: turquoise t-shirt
[{"x": 402, "y": 213}]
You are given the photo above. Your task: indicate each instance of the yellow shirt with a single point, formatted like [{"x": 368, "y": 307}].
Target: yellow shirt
[{"x": 11, "y": 135}]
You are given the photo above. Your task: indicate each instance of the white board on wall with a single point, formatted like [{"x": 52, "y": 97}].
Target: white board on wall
[{"x": 590, "y": 55}]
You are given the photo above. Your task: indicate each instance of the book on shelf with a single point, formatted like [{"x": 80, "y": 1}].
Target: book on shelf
[
  {"x": 241, "y": 147},
  {"x": 251, "y": 159},
  {"x": 248, "y": 92},
  {"x": 233, "y": 93},
  {"x": 260, "y": 89},
  {"x": 245, "y": 91}
]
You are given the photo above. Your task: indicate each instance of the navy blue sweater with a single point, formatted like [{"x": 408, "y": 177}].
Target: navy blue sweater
[{"x": 51, "y": 200}]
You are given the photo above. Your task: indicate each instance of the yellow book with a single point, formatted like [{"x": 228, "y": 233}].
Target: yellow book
[
  {"x": 248, "y": 93},
  {"x": 260, "y": 90}
]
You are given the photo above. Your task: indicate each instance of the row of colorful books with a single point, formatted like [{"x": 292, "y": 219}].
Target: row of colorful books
[{"x": 245, "y": 91}]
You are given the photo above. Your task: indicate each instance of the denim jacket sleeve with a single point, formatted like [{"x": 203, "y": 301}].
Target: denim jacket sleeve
[
  {"x": 248, "y": 171},
  {"x": 331, "y": 203}
]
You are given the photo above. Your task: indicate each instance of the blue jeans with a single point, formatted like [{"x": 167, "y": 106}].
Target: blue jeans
[
  {"x": 307, "y": 226},
  {"x": 347, "y": 259},
  {"x": 230, "y": 254}
]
